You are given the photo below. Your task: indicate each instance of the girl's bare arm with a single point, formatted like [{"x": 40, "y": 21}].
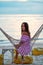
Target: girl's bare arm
[{"x": 20, "y": 43}]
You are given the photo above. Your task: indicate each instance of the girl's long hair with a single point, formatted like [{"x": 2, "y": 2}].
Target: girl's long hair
[{"x": 26, "y": 28}]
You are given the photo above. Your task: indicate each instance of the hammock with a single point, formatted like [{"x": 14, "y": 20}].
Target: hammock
[{"x": 33, "y": 39}]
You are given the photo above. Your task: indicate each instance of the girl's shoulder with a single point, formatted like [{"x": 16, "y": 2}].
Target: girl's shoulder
[{"x": 24, "y": 33}]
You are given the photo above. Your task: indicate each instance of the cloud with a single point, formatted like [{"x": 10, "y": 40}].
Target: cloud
[
  {"x": 37, "y": 0},
  {"x": 11, "y": 23},
  {"x": 15, "y": 0},
  {"x": 24, "y": 0},
  {"x": 21, "y": 0}
]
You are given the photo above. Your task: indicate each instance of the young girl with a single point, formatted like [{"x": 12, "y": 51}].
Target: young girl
[{"x": 24, "y": 47}]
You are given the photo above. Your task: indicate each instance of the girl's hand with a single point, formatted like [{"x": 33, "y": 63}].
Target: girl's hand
[
  {"x": 20, "y": 44},
  {"x": 17, "y": 46}
]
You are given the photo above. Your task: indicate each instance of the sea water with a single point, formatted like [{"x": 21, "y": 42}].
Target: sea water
[{"x": 37, "y": 60}]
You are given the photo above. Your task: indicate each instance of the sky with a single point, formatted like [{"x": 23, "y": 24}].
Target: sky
[
  {"x": 14, "y": 12},
  {"x": 11, "y": 24},
  {"x": 21, "y": 6}
]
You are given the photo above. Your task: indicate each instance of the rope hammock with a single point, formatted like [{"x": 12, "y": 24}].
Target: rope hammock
[{"x": 33, "y": 39}]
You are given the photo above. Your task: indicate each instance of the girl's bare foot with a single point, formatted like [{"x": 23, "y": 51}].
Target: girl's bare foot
[{"x": 23, "y": 61}]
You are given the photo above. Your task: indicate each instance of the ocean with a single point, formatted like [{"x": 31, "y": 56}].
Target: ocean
[{"x": 8, "y": 56}]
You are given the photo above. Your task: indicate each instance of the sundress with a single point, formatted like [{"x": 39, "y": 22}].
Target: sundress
[{"x": 25, "y": 48}]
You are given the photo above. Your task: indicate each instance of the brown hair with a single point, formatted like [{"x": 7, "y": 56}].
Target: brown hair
[{"x": 26, "y": 28}]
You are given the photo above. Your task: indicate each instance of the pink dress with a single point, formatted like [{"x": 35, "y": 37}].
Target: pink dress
[{"x": 25, "y": 48}]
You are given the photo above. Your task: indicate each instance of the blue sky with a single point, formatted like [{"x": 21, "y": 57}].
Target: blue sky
[{"x": 21, "y": 7}]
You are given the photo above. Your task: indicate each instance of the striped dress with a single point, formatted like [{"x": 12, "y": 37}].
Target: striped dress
[{"x": 25, "y": 48}]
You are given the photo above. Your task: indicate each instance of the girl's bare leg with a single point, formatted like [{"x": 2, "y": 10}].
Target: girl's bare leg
[
  {"x": 16, "y": 54},
  {"x": 22, "y": 59}
]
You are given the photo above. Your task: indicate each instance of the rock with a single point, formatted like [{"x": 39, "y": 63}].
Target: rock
[
  {"x": 37, "y": 51},
  {"x": 1, "y": 59},
  {"x": 27, "y": 60}
]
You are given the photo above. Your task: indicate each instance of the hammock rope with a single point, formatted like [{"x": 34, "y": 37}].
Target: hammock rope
[{"x": 33, "y": 39}]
